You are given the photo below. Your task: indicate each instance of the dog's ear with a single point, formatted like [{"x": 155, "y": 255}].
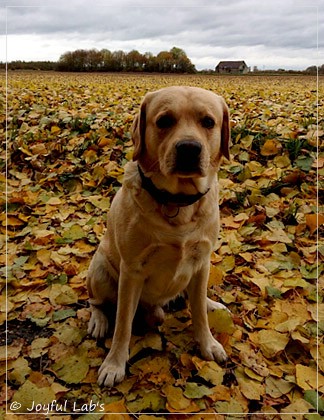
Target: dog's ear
[
  {"x": 138, "y": 131},
  {"x": 226, "y": 132}
]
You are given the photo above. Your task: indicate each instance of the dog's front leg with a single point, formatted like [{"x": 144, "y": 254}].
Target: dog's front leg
[
  {"x": 210, "y": 348},
  {"x": 113, "y": 368}
]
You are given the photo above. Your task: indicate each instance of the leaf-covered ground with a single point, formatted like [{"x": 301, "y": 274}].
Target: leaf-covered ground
[{"x": 68, "y": 140}]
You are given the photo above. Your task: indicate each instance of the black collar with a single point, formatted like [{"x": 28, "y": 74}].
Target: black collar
[{"x": 165, "y": 197}]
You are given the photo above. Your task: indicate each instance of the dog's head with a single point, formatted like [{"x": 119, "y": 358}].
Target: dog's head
[{"x": 181, "y": 131}]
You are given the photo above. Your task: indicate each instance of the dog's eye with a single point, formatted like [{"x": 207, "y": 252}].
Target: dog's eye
[
  {"x": 165, "y": 121},
  {"x": 207, "y": 122}
]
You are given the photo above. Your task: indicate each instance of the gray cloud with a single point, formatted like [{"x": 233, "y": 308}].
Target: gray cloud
[{"x": 214, "y": 29}]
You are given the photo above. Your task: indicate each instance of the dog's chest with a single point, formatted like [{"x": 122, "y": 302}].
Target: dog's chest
[{"x": 168, "y": 268}]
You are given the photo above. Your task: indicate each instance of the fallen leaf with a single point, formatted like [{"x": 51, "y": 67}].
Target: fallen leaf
[
  {"x": 145, "y": 400},
  {"x": 226, "y": 407},
  {"x": 194, "y": 390},
  {"x": 220, "y": 393},
  {"x": 74, "y": 233},
  {"x": 62, "y": 294},
  {"x": 297, "y": 409},
  {"x": 313, "y": 221},
  {"x": 271, "y": 342},
  {"x": 39, "y": 347},
  {"x": 211, "y": 372},
  {"x": 30, "y": 395},
  {"x": 312, "y": 397},
  {"x": 18, "y": 370},
  {"x": 72, "y": 369},
  {"x": 69, "y": 335},
  {"x": 150, "y": 340},
  {"x": 177, "y": 402},
  {"x": 277, "y": 387},
  {"x": 12, "y": 351},
  {"x": 290, "y": 325},
  {"x": 221, "y": 321},
  {"x": 254, "y": 361},
  {"x": 307, "y": 378},
  {"x": 215, "y": 276},
  {"x": 271, "y": 147},
  {"x": 252, "y": 390}
]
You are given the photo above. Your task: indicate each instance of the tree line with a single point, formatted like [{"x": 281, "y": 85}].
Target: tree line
[{"x": 173, "y": 61}]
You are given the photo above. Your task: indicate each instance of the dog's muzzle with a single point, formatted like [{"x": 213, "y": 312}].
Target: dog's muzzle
[{"x": 188, "y": 154}]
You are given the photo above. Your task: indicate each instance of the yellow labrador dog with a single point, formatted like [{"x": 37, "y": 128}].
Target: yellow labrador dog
[{"x": 163, "y": 223}]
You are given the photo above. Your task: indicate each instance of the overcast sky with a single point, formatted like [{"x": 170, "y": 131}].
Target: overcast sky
[{"x": 267, "y": 34}]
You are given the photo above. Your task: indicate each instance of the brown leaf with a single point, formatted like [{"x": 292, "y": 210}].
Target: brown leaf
[
  {"x": 313, "y": 221},
  {"x": 270, "y": 148}
]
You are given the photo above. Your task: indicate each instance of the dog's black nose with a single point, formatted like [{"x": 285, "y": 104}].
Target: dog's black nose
[
  {"x": 188, "y": 155},
  {"x": 190, "y": 148}
]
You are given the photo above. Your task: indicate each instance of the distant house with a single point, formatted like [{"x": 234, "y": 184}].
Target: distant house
[{"x": 232, "y": 67}]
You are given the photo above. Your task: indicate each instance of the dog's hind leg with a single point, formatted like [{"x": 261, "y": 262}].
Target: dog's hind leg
[{"x": 102, "y": 288}]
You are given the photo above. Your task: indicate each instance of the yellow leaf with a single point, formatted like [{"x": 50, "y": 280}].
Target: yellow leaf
[
  {"x": 83, "y": 248},
  {"x": 54, "y": 201},
  {"x": 99, "y": 174},
  {"x": 44, "y": 256},
  {"x": 102, "y": 203},
  {"x": 278, "y": 235},
  {"x": 228, "y": 263},
  {"x": 221, "y": 321},
  {"x": 306, "y": 378},
  {"x": 150, "y": 340},
  {"x": 251, "y": 389},
  {"x": 253, "y": 362},
  {"x": 68, "y": 335},
  {"x": 290, "y": 325},
  {"x": 317, "y": 311},
  {"x": 277, "y": 387},
  {"x": 39, "y": 149},
  {"x": 29, "y": 395},
  {"x": 114, "y": 408},
  {"x": 247, "y": 256},
  {"x": 18, "y": 370},
  {"x": 252, "y": 375},
  {"x": 62, "y": 295},
  {"x": 261, "y": 280},
  {"x": 215, "y": 276},
  {"x": 13, "y": 350},
  {"x": 13, "y": 221},
  {"x": 103, "y": 142},
  {"x": 90, "y": 156},
  {"x": 74, "y": 232},
  {"x": 39, "y": 347},
  {"x": 212, "y": 372},
  {"x": 271, "y": 342},
  {"x": 175, "y": 397},
  {"x": 220, "y": 393},
  {"x": 296, "y": 410},
  {"x": 55, "y": 129},
  {"x": 318, "y": 355},
  {"x": 73, "y": 368}
]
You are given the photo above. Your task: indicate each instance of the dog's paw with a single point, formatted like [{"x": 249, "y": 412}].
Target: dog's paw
[
  {"x": 110, "y": 374},
  {"x": 214, "y": 306},
  {"x": 213, "y": 350},
  {"x": 98, "y": 324}
]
